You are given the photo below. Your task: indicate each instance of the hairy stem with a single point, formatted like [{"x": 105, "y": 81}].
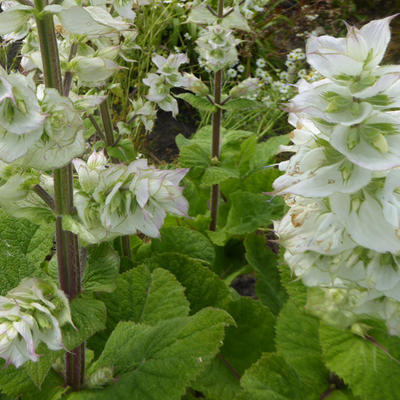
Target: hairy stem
[
  {"x": 216, "y": 133},
  {"x": 109, "y": 140},
  {"x": 67, "y": 242}
]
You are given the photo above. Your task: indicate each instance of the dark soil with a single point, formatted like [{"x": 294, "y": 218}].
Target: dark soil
[
  {"x": 161, "y": 141},
  {"x": 245, "y": 285}
]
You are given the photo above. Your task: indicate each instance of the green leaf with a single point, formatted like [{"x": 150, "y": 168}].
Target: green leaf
[
  {"x": 194, "y": 155},
  {"x": 184, "y": 241},
  {"x": 88, "y": 316},
  {"x": 23, "y": 248},
  {"x": 123, "y": 151},
  {"x": 39, "y": 370},
  {"x": 272, "y": 379},
  {"x": 203, "y": 288},
  {"x": 370, "y": 371},
  {"x": 152, "y": 362},
  {"x": 216, "y": 175},
  {"x": 249, "y": 211},
  {"x": 241, "y": 104},
  {"x": 297, "y": 343},
  {"x": 146, "y": 297},
  {"x": 217, "y": 382},
  {"x": 254, "y": 331},
  {"x": 295, "y": 288},
  {"x": 268, "y": 149},
  {"x": 16, "y": 383},
  {"x": 102, "y": 269},
  {"x": 268, "y": 287},
  {"x": 201, "y": 103}
]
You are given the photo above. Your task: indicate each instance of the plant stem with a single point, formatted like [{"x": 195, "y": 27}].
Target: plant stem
[
  {"x": 216, "y": 133},
  {"x": 67, "y": 242},
  {"x": 109, "y": 140}
]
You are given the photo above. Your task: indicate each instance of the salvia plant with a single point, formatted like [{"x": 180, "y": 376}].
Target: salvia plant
[
  {"x": 115, "y": 274},
  {"x": 341, "y": 231}
]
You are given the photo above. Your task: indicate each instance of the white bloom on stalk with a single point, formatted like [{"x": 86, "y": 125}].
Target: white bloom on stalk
[
  {"x": 21, "y": 117},
  {"x": 342, "y": 231},
  {"x": 62, "y": 137},
  {"x": 360, "y": 51},
  {"x": 143, "y": 111},
  {"x": 217, "y": 46},
  {"x": 30, "y": 314},
  {"x": 120, "y": 200}
]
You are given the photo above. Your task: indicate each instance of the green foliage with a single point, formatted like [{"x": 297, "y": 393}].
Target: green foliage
[
  {"x": 268, "y": 287},
  {"x": 254, "y": 325},
  {"x": 88, "y": 316},
  {"x": 250, "y": 211},
  {"x": 102, "y": 268},
  {"x": 369, "y": 366},
  {"x": 152, "y": 361},
  {"x": 203, "y": 287},
  {"x": 145, "y": 297},
  {"x": 23, "y": 248},
  {"x": 297, "y": 343},
  {"x": 271, "y": 378},
  {"x": 201, "y": 103},
  {"x": 184, "y": 241},
  {"x": 16, "y": 383}
]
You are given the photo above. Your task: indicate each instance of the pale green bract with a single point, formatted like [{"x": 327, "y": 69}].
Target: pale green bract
[
  {"x": 30, "y": 314},
  {"x": 115, "y": 200},
  {"x": 21, "y": 117},
  {"x": 167, "y": 77},
  {"x": 342, "y": 231},
  {"x": 217, "y": 46},
  {"x": 62, "y": 137}
]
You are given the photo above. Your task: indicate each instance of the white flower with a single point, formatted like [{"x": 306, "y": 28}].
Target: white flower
[
  {"x": 217, "y": 46},
  {"x": 121, "y": 200},
  {"x": 260, "y": 63},
  {"x": 21, "y": 117},
  {"x": 30, "y": 314},
  {"x": 362, "y": 49}
]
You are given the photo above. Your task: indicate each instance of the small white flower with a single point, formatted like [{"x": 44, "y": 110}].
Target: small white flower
[
  {"x": 240, "y": 68},
  {"x": 260, "y": 63},
  {"x": 231, "y": 73}
]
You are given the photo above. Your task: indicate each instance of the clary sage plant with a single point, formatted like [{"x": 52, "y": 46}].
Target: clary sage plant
[
  {"x": 49, "y": 172},
  {"x": 342, "y": 230},
  {"x": 69, "y": 54}
]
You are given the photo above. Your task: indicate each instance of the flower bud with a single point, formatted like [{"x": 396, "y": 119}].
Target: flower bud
[{"x": 248, "y": 87}]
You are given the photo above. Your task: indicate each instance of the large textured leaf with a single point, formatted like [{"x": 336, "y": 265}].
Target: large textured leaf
[
  {"x": 371, "y": 372},
  {"x": 218, "y": 381},
  {"x": 253, "y": 334},
  {"x": 158, "y": 362},
  {"x": 216, "y": 175},
  {"x": 297, "y": 343},
  {"x": 38, "y": 371},
  {"x": 102, "y": 268},
  {"x": 146, "y": 297},
  {"x": 244, "y": 343},
  {"x": 16, "y": 383},
  {"x": 23, "y": 247},
  {"x": 268, "y": 288},
  {"x": 249, "y": 211},
  {"x": 88, "y": 316},
  {"x": 203, "y": 288},
  {"x": 185, "y": 241},
  {"x": 201, "y": 103},
  {"x": 272, "y": 379}
]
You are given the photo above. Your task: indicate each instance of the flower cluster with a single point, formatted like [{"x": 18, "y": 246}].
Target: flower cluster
[
  {"x": 30, "y": 314},
  {"x": 115, "y": 200},
  {"x": 342, "y": 232},
  {"x": 167, "y": 77}
]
